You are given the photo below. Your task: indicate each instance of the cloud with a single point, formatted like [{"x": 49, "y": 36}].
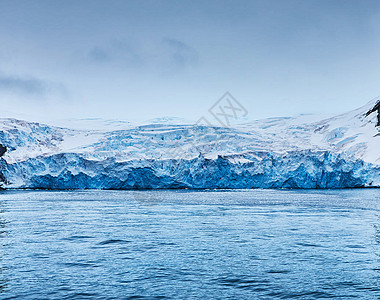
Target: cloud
[
  {"x": 30, "y": 86},
  {"x": 181, "y": 54},
  {"x": 165, "y": 54},
  {"x": 117, "y": 51},
  {"x": 98, "y": 54}
]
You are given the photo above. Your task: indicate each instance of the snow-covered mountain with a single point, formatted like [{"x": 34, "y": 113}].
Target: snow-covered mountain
[{"x": 338, "y": 152}]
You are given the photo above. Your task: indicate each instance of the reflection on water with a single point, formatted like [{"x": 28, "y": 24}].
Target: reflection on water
[{"x": 185, "y": 244}]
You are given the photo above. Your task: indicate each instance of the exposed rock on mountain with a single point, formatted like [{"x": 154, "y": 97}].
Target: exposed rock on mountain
[
  {"x": 2, "y": 150},
  {"x": 2, "y": 163},
  {"x": 374, "y": 109}
]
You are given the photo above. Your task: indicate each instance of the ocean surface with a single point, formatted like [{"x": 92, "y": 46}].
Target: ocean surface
[{"x": 244, "y": 244}]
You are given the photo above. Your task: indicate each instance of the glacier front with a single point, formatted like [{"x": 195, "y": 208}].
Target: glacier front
[{"x": 338, "y": 152}]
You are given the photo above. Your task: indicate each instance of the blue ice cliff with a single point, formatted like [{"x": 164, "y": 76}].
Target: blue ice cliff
[{"x": 339, "y": 152}]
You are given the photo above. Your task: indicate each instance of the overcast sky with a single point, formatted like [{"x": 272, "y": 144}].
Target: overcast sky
[{"x": 138, "y": 60}]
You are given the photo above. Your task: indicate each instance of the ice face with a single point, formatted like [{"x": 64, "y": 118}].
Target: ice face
[{"x": 337, "y": 152}]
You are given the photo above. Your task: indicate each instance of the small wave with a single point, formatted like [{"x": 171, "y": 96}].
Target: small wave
[
  {"x": 81, "y": 295},
  {"x": 77, "y": 237},
  {"x": 79, "y": 264},
  {"x": 278, "y": 271},
  {"x": 137, "y": 297},
  {"x": 242, "y": 282},
  {"x": 309, "y": 245},
  {"x": 113, "y": 241}
]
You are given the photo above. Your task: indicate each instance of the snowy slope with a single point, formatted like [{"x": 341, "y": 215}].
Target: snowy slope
[
  {"x": 342, "y": 151},
  {"x": 352, "y": 133}
]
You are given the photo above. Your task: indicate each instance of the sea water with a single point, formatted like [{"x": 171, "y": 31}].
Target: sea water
[{"x": 209, "y": 244}]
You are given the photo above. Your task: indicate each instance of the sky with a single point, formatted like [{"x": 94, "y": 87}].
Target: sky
[{"x": 138, "y": 60}]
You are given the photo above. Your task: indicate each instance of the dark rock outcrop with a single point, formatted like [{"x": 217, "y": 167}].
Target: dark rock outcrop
[
  {"x": 375, "y": 108},
  {"x": 3, "y": 149}
]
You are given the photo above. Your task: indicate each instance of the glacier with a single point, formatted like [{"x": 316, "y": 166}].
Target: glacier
[{"x": 290, "y": 152}]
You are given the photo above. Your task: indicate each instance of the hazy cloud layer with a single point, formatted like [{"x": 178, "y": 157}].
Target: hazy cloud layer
[
  {"x": 116, "y": 52},
  {"x": 167, "y": 53},
  {"x": 144, "y": 59},
  {"x": 98, "y": 54},
  {"x": 29, "y": 86},
  {"x": 181, "y": 54}
]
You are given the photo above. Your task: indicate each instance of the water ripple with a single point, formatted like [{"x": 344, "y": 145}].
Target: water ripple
[{"x": 191, "y": 245}]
